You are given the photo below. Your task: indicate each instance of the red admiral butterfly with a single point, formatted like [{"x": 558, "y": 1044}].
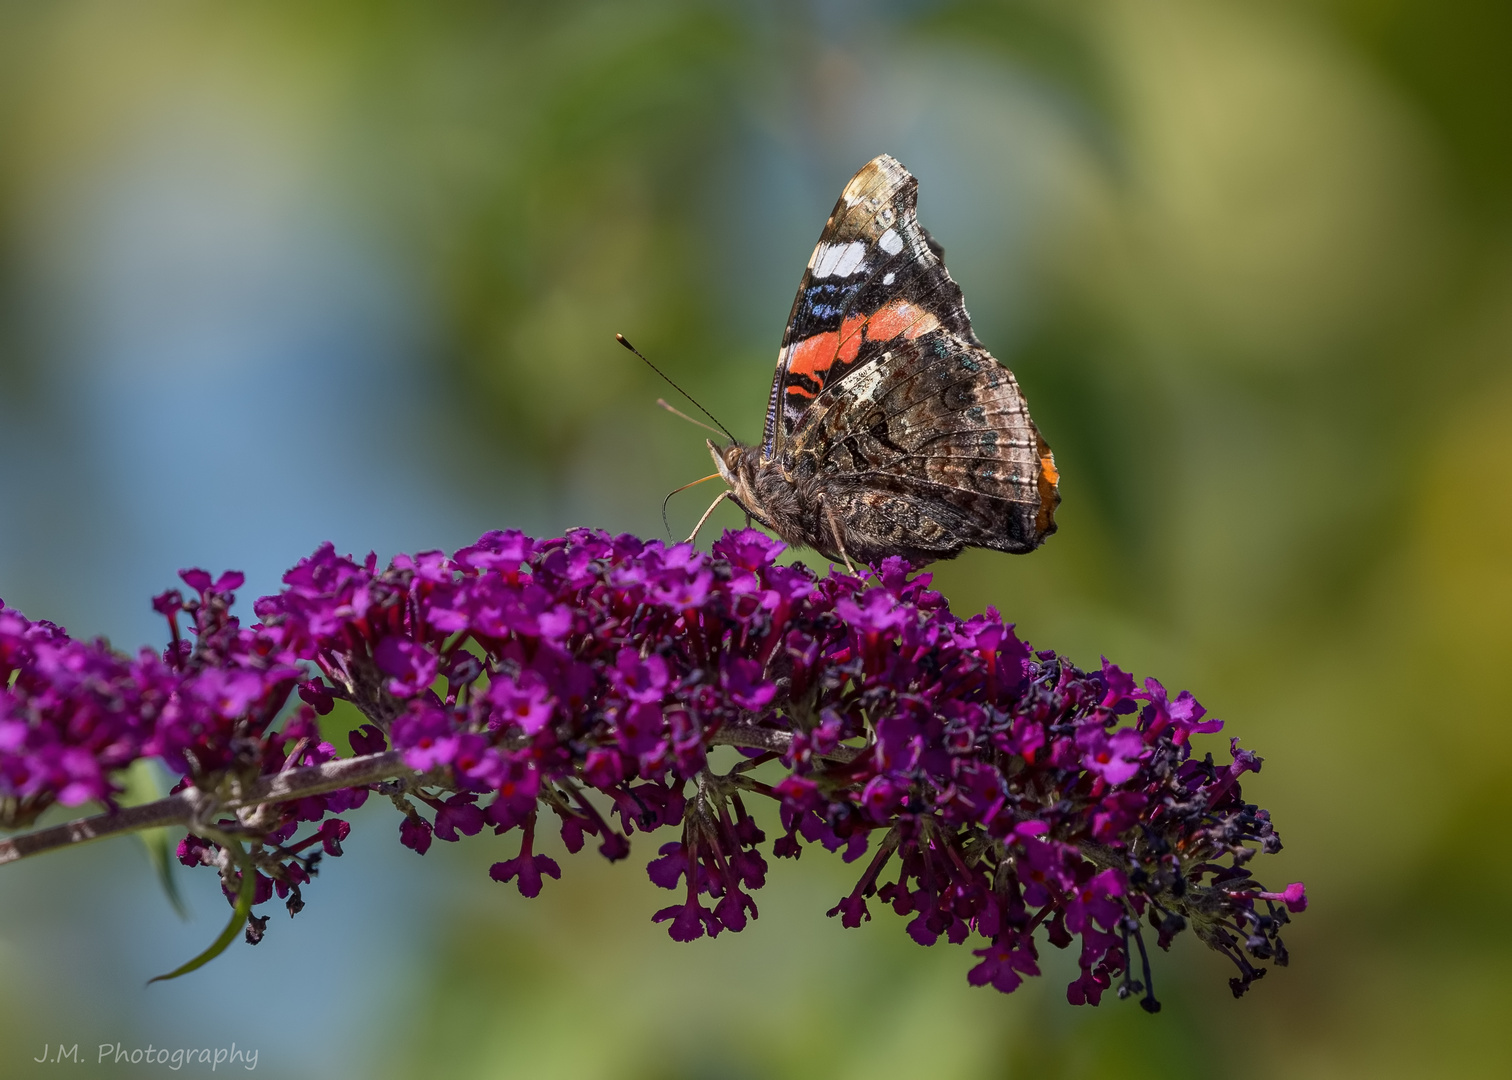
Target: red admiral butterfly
[{"x": 890, "y": 430}]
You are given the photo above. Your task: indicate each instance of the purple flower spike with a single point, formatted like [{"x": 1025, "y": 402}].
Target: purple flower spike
[{"x": 1000, "y": 793}]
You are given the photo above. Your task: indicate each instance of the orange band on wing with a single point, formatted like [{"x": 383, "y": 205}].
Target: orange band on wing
[
  {"x": 1049, "y": 496},
  {"x": 814, "y": 356},
  {"x": 850, "y": 338},
  {"x": 900, "y": 317}
]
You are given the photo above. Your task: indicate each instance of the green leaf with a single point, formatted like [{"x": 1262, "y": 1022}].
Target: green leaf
[
  {"x": 243, "y": 908},
  {"x": 143, "y": 785}
]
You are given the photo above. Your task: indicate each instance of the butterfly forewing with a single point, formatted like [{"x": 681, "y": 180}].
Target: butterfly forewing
[{"x": 874, "y": 275}]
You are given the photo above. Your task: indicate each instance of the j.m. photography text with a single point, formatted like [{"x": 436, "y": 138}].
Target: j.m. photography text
[{"x": 174, "y": 1058}]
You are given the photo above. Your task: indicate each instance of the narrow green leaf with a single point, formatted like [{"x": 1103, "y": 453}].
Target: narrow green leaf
[
  {"x": 244, "y": 897},
  {"x": 160, "y": 855},
  {"x": 143, "y": 785}
]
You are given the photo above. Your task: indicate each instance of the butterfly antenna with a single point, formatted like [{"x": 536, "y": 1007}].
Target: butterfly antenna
[
  {"x": 679, "y": 413},
  {"x": 622, "y": 340},
  {"x": 685, "y": 487}
]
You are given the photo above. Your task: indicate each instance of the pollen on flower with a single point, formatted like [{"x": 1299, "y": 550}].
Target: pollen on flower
[{"x": 1001, "y": 795}]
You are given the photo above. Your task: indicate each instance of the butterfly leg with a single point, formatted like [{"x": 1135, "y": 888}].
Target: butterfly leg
[
  {"x": 723, "y": 495},
  {"x": 829, "y": 514}
]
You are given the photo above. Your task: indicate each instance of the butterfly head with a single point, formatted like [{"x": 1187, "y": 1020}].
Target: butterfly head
[{"x": 738, "y": 467}]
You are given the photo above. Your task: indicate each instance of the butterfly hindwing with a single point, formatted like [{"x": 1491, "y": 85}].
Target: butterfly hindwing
[{"x": 932, "y": 439}]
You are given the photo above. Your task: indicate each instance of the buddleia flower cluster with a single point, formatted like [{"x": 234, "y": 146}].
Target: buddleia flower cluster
[{"x": 603, "y": 686}]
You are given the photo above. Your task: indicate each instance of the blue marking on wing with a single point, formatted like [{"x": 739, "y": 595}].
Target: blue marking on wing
[{"x": 824, "y": 302}]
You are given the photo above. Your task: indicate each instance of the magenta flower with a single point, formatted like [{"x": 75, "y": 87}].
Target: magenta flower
[{"x": 985, "y": 790}]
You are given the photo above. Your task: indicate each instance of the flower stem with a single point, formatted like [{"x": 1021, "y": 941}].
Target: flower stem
[{"x": 182, "y": 808}]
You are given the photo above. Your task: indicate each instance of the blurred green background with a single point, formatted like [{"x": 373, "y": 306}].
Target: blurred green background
[{"x": 277, "y": 273}]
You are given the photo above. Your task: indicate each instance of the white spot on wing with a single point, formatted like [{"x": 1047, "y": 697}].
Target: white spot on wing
[
  {"x": 889, "y": 277},
  {"x": 839, "y": 260},
  {"x": 891, "y": 242},
  {"x": 863, "y": 382},
  {"x": 850, "y": 262}
]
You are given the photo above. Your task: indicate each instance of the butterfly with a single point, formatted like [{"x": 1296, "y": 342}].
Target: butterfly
[{"x": 890, "y": 429}]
